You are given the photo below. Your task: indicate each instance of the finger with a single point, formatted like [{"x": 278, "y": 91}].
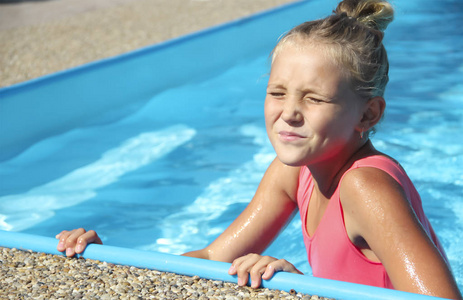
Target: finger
[
  {"x": 62, "y": 236},
  {"x": 234, "y": 267},
  {"x": 279, "y": 265},
  {"x": 71, "y": 241},
  {"x": 238, "y": 262},
  {"x": 269, "y": 271},
  {"x": 258, "y": 269},
  {"x": 232, "y": 270},
  {"x": 243, "y": 266},
  {"x": 59, "y": 234},
  {"x": 85, "y": 239},
  {"x": 275, "y": 266}
]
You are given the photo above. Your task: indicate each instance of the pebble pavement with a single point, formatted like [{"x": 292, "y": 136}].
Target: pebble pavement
[
  {"x": 43, "y": 37},
  {"x": 32, "y": 275}
]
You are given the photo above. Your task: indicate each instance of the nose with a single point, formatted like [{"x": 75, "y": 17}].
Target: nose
[{"x": 292, "y": 111}]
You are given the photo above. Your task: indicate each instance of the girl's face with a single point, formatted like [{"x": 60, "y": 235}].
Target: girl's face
[{"x": 311, "y": 113}]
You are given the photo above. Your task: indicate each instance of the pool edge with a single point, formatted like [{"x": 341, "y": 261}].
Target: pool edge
[{"x": 207, "y": 269}]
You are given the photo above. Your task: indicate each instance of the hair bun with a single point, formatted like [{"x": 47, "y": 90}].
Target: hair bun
[{"x": 376, "y": 14}]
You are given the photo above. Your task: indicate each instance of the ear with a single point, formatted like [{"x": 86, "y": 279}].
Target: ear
[{"x": 372, "y": 113}]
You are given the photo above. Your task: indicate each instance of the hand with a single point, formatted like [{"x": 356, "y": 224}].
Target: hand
[
  {"x": 259, "y": 267},
  {"x": 76, "y": 240}
]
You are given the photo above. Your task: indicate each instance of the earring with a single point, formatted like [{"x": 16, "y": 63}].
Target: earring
[{"x": 361, "y": 134}]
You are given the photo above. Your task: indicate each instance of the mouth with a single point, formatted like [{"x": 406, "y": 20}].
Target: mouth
[{"x": 288, "y": 136}]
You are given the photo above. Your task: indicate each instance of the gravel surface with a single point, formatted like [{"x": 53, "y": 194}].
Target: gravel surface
[{"x": 43, "y": 37}]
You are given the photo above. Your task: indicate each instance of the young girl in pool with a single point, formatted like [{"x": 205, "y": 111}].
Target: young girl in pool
[{"x": 362, "y": 218}]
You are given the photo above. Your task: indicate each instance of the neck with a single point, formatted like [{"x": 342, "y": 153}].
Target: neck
[{"x": 327, "y": 174}]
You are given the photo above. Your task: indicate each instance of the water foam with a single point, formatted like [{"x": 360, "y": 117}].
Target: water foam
[{"x": 22, "y": 211}]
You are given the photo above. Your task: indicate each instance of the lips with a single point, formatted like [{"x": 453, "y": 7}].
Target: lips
[{"x": 289, "y": 136}]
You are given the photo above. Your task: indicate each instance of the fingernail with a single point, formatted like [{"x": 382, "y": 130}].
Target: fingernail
[
  {"x": 69, "y": 251},
  {"x": 61, "y": 245},
  {"x": 79, "y": 248},
  {"x": 231, "y": 270},
  {"x": 240, "y": 282}
]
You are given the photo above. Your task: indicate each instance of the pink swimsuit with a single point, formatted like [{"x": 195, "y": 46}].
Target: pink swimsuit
[{"x": 330, "y": 252}]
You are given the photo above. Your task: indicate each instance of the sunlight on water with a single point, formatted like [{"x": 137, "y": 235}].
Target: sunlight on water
[
  {"x": 22, "y": 211},
  {"x": 193, "y": 225}
]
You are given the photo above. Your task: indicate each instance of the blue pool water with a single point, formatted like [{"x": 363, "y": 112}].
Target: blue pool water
[{"x": 172, "y": 175}]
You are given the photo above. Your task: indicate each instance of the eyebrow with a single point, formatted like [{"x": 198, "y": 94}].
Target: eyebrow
[{"x": 276, "y": 86}]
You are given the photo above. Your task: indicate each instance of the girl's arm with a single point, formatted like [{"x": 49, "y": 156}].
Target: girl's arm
[
  {"x": 267, "y": 213},
  {"x": 255, "y": 228},
  {"x": 252, "y": 231},
  {"x": 376, "y": 209}
]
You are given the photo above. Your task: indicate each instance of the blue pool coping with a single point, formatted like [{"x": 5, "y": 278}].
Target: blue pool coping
[{"x": 207, "y": 269}]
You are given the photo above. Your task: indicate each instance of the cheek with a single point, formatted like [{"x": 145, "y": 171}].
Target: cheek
[
  {"x": 329, "y": 123},
  {"x": 271, "y": 109},
  {"x": 343, "y": 125}
]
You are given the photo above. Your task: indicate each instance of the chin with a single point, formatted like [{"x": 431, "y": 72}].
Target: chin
[
  {"x": 288, "y": 156},
  {"x": 291, "y": 161}
]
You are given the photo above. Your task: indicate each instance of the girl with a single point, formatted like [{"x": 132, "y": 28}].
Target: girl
[{"x": 362, "y": 218}]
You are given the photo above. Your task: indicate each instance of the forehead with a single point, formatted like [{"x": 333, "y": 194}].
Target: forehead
[
  {"x": 305, "y": 58},
  {"x": 330, "y": 52},
  {"x": 308, "y": 67}
]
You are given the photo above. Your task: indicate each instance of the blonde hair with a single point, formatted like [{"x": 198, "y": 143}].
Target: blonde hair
[{"x": 353, "y": 37}]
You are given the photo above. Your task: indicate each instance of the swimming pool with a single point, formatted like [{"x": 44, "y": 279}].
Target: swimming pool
[{"x": 169, "y": 171}]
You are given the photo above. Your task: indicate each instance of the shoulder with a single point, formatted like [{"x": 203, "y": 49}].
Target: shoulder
[
  {"x": 375, "y": 208},
  {"x": 366, "y": 188},
  {"x": 374, "y": 177},
  {"x": 373, "y": 202}
]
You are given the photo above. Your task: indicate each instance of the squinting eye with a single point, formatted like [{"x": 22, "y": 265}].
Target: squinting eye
[
  {"x": 314, "y": 100},
  {"x": 277, "y": 95}
]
